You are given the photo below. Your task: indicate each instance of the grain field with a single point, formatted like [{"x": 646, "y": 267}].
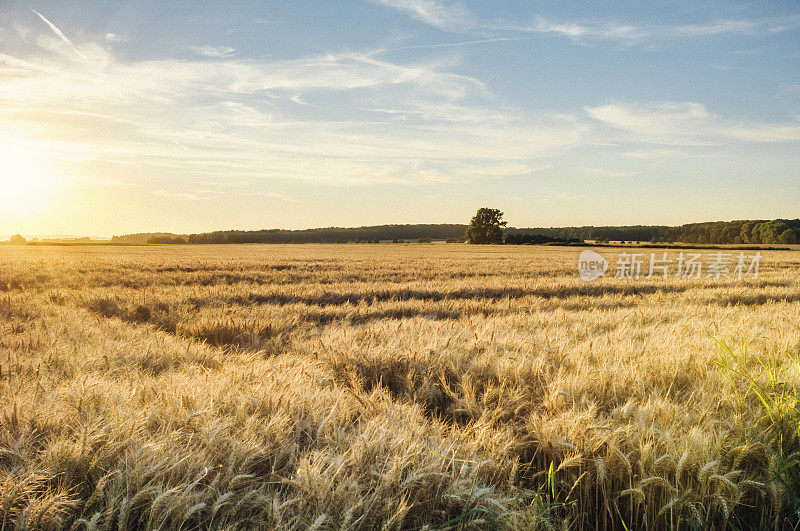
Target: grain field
[{"x": 397, "y": 386}]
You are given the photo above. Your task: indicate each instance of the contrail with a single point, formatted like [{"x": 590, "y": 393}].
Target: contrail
[
  {"x": 69, "y": 43},
  {"x": 59, "y": 33}
]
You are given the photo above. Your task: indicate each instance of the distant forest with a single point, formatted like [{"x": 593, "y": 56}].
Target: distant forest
[
  {"x": 453, "y": 232},
  {"x": 779, "y": 231}
]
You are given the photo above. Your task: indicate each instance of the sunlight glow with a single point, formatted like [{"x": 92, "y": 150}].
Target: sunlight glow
[{"x": 28, "y": 180}]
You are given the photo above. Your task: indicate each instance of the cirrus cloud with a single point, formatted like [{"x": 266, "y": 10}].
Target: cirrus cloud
[
  {"x": 453, "y": 16},
  {"x": 687, "y": 123}
]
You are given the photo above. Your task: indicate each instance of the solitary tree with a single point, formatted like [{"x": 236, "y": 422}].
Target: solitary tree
[
  {"x": 17, "y": 239},
  {"x": 486, "y": 226}
]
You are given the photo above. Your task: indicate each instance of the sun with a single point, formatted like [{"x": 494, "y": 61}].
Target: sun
[{"x": 28, "y": 179}]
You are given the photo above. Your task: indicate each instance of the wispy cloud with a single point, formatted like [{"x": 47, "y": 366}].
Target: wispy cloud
[
  {"x": 381, "y": 122},
  {"x": 461, "y": 43},
  {"x": 603, "y": 172},
  {"x": 687, "y": 123},
  {"x": 351, "y": 119},
  {"x": 446, "y": 16},
  {"x": 456, "y": 17},
  {"x": 633, "y": 33},
  {"x": 721, "y": 27},
  {"x": 577, "y": 30},
  {"x": 650, "y": 154},
  {"x": 214, "y": 51}
]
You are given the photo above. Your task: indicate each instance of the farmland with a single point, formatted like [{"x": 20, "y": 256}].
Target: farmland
[{"x": 398, "y": 386}]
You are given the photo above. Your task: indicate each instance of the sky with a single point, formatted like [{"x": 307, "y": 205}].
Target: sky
[{"x": 192, "y": 116}]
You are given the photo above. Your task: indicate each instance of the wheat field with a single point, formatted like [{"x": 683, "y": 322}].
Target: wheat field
[{"x": 401, "y": 386}]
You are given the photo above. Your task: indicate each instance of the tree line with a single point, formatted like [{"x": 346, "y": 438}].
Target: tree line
[
  {"x": 778, "y": 231},
  {"x": 487, "y": 226},
  {"x": 424, "y": 232}
]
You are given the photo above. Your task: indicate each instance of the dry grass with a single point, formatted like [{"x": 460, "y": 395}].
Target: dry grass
[{"x": 399, "y": 386}]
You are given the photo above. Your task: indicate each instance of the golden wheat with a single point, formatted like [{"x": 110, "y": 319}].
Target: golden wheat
[{"x": 396, "y": 386}]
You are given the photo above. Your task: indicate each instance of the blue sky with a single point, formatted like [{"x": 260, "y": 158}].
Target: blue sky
[{"x": 194, "y": 116}]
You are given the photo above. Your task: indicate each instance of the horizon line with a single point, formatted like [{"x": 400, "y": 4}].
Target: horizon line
[{"x": 101, "y": 237}]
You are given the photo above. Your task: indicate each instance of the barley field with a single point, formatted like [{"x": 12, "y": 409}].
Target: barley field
[{"x": 401, "y": 386}]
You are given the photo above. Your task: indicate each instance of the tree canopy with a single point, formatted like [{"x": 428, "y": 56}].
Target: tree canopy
[{"x": 486, "y": 226}]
